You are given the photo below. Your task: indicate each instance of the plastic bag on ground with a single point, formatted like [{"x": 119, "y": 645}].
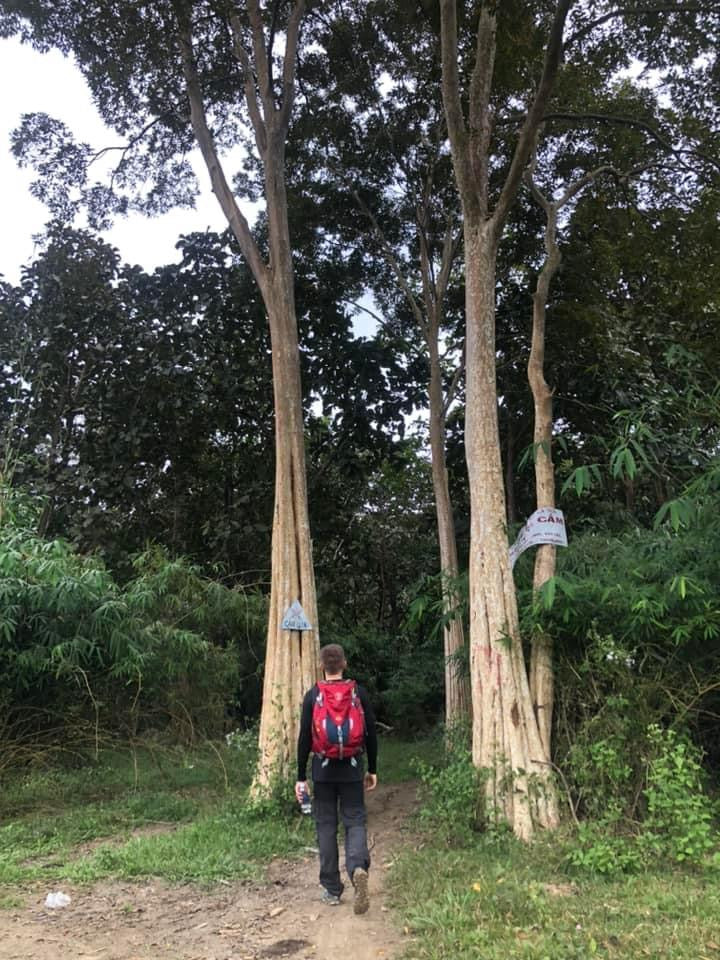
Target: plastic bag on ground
[{"x": 56, "y": 900}]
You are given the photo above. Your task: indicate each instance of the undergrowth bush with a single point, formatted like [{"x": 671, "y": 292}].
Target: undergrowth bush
[
  {"x": 679, "y": 818},
  {"x": 635, "y": 620},
  {"x": 453, "y": 808},
  {"x": 677, "y": 821},
  {"x": 83, "y": 658}
]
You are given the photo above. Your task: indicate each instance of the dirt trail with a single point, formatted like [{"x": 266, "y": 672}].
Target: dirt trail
[{"x": 282, "y": 918}]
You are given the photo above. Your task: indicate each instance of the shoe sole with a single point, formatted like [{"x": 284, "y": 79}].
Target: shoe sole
[{"x": 362, "y": 898}]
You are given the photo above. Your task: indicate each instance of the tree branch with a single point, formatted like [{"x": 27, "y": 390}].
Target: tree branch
[
  {"x": 529, "y": 177},
  {"x": 637, "y": 11},
  {"x": 449, "y": 250},
  {"x": 393, "y": 262},
  {"x": 381, "y": 321},
  {"x": 574, "y": 188},
  {"x": 480, "y": 120},
  {"x": 533, "y": 120},
  {"x": 431, "y": 304},
  {"x": 132, "y": 141},
  {"x": 256, "y": 118},
  {"x": 261, "y": 61},
  {"x": 290, "y": 62},
  {"x": 220, "y": 186},
  {"x": 454, "y": 383},
  {"x": 457, "y": 131},
  {"x": 271, "y": 43},
  {"x": 641, "y": 125}
]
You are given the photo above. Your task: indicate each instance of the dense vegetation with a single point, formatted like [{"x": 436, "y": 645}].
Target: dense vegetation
[
  {"x": 109, "y": 633},
  {"x": 136, "y": 454}
]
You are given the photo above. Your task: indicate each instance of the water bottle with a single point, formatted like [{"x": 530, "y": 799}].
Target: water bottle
[{"x": 305, "y": 802}]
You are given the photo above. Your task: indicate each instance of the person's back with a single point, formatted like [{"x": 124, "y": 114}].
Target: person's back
[{"x": 338, "y": 725}]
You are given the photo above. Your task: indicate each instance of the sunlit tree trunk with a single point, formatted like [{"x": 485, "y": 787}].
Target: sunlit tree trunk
[{"x": 506, "y": 738}]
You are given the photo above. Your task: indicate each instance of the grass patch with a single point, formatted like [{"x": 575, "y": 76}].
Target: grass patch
[
  {"x": 228, "y": 845},
  {"x": 397, "y": 759},
  {"x": 177, "y": 814},
  {"x": 500, "y": 898}
]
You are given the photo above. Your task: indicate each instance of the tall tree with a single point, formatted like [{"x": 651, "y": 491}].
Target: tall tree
[
  {"x": 291, "y": 663},
  {"x": 640, "y": 147},
  {"x": 541, "y": 663},
  {"x": 505, "y": 730},
  {"x": 178, "y": 70}
]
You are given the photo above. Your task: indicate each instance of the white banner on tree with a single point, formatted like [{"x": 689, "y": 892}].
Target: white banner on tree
[{"x": 546, "y": 525}]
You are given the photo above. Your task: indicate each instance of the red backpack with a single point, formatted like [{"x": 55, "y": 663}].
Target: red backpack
[{"x": 338, "y": 720}]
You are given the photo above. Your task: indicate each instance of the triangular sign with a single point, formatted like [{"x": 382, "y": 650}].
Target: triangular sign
[{"x": 295, "y": 618}]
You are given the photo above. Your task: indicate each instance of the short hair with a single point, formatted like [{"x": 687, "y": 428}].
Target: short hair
[{"x": 332, "y": 657}]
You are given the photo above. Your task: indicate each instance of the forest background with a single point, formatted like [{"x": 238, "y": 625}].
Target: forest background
[{"x": 138, "y": 476}]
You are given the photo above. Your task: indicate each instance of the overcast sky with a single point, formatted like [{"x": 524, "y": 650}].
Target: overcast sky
[{"x": 51, "y": 83}]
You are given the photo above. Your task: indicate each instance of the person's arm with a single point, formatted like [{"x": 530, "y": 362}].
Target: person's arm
[
  {"x": 371, "y": 741},
  {"x": 304, "y": 738}
]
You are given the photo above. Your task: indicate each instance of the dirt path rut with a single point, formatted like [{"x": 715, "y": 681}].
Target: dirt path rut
[{"x": 282, "y": 918}]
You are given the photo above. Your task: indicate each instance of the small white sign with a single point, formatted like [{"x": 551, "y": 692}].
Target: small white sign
[
  {"x": 295, "y": 618},
  {"x": 546, "y": 525}
]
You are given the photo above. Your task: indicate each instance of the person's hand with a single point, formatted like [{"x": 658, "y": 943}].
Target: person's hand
[
  {"x": 301, "y": 787},
  {"x": 370, "y": 781}
]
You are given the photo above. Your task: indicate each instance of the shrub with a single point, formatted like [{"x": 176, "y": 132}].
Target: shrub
[
  {"x": 678, "y": 822},
  {"x": 453, "y": 807},
  {"x": 171, "y": 650}
]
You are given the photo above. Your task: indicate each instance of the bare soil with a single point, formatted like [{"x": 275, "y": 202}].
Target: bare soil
[{"x": 282, "y": 917}]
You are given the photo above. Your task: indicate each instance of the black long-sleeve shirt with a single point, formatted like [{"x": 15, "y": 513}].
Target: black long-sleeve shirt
[{"x": 338, "y": 771}]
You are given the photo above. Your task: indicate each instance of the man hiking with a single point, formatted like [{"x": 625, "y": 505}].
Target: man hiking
[{"x": 338, "y": 725}]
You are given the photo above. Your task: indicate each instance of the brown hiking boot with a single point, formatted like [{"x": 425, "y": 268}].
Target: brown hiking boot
[{"x": 362, "y": 898}]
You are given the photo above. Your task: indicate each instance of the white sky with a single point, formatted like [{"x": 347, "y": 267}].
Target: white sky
[{"x": 51, "y": 83}]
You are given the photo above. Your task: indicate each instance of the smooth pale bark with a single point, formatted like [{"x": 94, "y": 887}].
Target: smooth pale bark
[
  {"x": 291, "y": 659},
  {"x": 506, "y": 738}
]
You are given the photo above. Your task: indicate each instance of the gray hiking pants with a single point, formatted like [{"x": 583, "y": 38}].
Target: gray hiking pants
[{"x": 351, "y": 799}]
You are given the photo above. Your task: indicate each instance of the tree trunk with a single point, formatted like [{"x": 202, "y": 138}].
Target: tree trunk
[
  {"x": 429, "y": 319},
  {"x": 541, "y": 657},
  {"x": 506, "y": 739},
  {"x": 541, "y": 663},
  {"x": 291, "y": 659},
  {"x": 505, "y": 730},
  {"x": 457, "y": 684}
]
